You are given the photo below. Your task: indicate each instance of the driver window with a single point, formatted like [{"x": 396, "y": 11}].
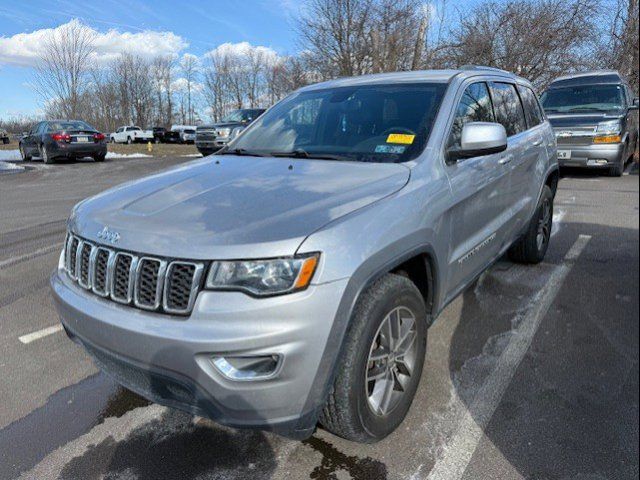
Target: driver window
[{"x": 475, "y": 106}]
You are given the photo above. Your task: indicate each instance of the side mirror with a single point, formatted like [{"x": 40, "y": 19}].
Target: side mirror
[
  {"x": 635, "y": 105},
  {"x": 24, "y": 134},
  {"x": 478, "y": 139}
]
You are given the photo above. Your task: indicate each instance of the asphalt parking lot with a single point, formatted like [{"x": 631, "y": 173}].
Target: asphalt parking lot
[{"x": 531, "y": 373}]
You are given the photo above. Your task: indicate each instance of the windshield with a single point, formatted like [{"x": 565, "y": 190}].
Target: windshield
[
  {"x": 235, "y": 116},
  {"x": 65, "y": 126},
  {"x": 368, "y": 123},
  {"x": 583, "y": 98}
]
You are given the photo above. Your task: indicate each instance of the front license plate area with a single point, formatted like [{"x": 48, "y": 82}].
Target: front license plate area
[{"x": 564, "y": 154}]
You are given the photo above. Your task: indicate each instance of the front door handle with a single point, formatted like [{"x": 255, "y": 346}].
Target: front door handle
[
  {"x": 537, "y": 143},
  {"x": 505, "y": 160}
]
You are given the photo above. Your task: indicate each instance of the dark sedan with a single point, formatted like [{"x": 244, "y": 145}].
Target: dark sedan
[{"x": 70, "y": 139}]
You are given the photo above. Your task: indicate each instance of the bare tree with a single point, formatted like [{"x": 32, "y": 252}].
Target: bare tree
[
  {"x": 620, "y": 48},
  {"x": 538, "y": 39},
  {"x": 189, "y": 66},
  {"x": 63, "y": 66}
]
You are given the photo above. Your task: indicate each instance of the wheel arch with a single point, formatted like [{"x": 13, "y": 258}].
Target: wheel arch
[{"x": 419, "y": 264}]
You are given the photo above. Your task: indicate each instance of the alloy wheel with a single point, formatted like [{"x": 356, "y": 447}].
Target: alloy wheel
[{"x": 391, "y": 360}]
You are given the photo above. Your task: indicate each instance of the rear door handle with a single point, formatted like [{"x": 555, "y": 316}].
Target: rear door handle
[{"x": 505, "y": 160}]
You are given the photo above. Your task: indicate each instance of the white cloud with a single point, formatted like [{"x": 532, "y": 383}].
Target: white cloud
[
  {"x": 242, "y": 49},
  {"x": 23, "y": 49}
]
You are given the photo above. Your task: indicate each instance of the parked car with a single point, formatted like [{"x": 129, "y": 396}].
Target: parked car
[
  {"x": 187, "y": 133},
  {"x": 4, "y": 136},
  {"x": 162, "y": 135},
  {"x": 595, "y": 118},
  {"x": 131, "y": 134},
  {"x": 210, "y": 138},
  {"x": 292, "y": 276},
  {"x": 70, "y": 139}
]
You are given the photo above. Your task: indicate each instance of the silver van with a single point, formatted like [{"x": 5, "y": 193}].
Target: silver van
[
  {"x": 595, "y": 119},
  {"x": 290, "y": 278}
]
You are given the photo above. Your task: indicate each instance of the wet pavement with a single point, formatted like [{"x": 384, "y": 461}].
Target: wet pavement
[{"x": 530, "y": 373}]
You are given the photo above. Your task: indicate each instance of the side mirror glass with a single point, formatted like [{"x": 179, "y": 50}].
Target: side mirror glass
[
  {"x": 478, "y": 139},
  {"x": 635, "y": 104}
]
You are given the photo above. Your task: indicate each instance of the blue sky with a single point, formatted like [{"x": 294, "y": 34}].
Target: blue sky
[{"x": 203, "y": 25}]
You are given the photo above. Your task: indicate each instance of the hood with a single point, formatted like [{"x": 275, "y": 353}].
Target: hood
[
  {"x": 566, "y": 120},
  {"x": 234, "y": 207}
]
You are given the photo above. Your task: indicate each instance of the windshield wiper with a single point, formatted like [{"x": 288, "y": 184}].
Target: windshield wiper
[
  {"x": 300, "y": 153},
  {"x": 587, "y": 109},
  {"x": 239, "y": 152}
]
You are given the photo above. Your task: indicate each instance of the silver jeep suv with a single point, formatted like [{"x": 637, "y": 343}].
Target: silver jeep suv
[{"x": 290, "y": 279}]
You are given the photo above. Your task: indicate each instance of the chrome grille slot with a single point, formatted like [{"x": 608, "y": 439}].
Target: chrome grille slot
[
  {"x": 148, "y": 283},
  {"x": 181, "y": 287},
  {"x": 84, "y": 260},
  {"x": 100, "y": 271},
  {"x": 72, "y": 256},
  {"x": 122, "y": 282}
]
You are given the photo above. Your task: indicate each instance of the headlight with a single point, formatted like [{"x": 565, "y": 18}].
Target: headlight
[
  {"x": 608, "y": 128},
  {"x": 223, "y": 132},
  {"x": 263, "y": 277}
]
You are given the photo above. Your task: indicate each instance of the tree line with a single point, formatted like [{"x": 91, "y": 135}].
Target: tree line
[{"x": 537, "y": 39}]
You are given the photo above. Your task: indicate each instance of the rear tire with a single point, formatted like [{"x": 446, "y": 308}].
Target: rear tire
[
  {"x": 99, "y": 158},
  {"x": 532, "y": 247},
  {"x": 44, "y": 154},
  {"x": 371, "y": 397}
]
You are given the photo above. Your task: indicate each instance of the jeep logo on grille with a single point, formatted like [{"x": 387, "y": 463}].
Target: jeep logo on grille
[{"x": 110, "y": 236}]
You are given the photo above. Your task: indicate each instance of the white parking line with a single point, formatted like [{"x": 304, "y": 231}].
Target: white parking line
[
  {"x": 459, "y": 449},
  {"x": 31, "y": 337}
]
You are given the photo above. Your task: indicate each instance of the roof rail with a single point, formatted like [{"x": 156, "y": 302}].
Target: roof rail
[{"x": 483, "y": 67}]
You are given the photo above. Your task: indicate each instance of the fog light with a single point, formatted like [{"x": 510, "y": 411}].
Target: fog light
[{"x": 248, "y": 368}]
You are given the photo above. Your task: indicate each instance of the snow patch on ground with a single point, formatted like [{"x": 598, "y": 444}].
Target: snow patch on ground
[
  {"x": 127, "y": 155},
  {"x": 12, "y": 155},
  {"x": 192, "y": 155},
  {"x": 8, "y": 167}
]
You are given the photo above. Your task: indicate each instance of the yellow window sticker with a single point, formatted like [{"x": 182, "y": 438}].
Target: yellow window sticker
[{"x": 400, "y": 138}]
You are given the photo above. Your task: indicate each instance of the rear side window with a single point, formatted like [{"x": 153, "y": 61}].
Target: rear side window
[
  {"x": 532, "y": 109},
  {"x": 508, "y": 108},
  {"x": 475, "y": 106}
]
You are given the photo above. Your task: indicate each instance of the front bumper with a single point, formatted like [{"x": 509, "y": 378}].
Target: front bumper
[
  {"x": 592, "y": 156},
  {"x": 216, "y": 144},
  {"x": 169, "y": 359},
  {"x": 76, "y": 150}
]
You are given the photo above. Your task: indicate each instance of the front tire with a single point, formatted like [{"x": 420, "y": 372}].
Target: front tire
[
  {"x": 23, "y": 153},
  {"x": 532, "y": 247},
  {"x": 618, "y": 169},
  {"x": 129, "y": 141},
  {"x": 381, "y": 362}
]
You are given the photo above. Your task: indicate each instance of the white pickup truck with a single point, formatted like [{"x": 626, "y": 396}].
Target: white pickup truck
[{"x": 131, "y": 134}]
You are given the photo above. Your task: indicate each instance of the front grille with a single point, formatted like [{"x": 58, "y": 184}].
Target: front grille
[
  {"x": 574, "y": 136},
  {"x": 149, "y": 283}
]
